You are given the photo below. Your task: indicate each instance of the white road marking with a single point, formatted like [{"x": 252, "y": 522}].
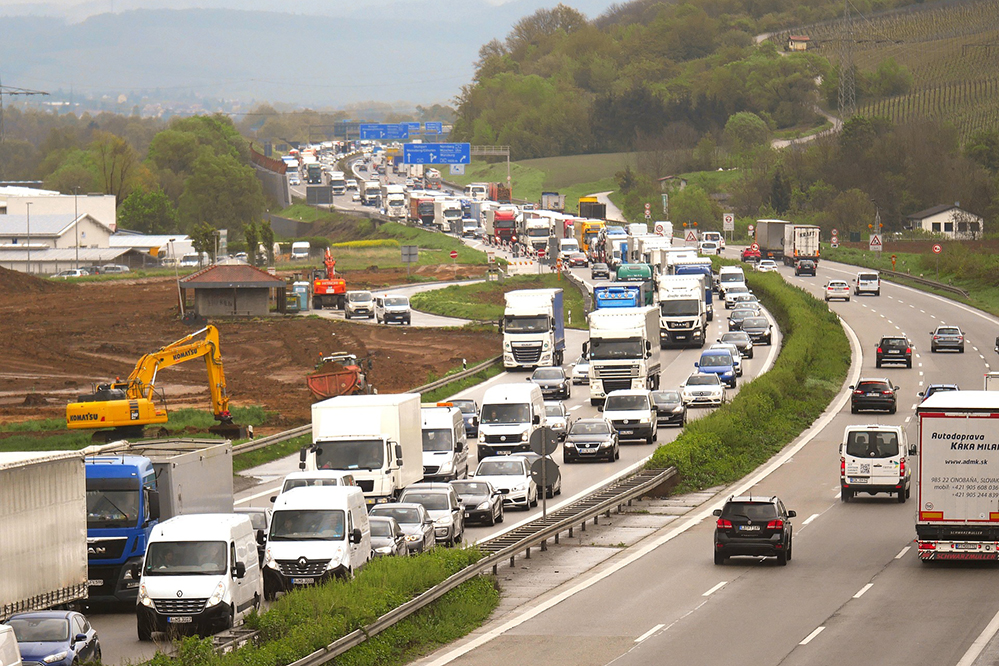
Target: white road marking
[
  {"x": 809, "y": 519},
  {"x": 862, "y": 590},
  {"x": 649, "y": 633},
  {"x": 974, "y": 347},
  {"x": 983, "y": 639},
  {"x": 271, "y": 491},
  {"x": 572, "y": 409},
  {"x": 809, "y": 637},
  {"x": 923, "y": 311},
  {"x": 902, "y": 552},
  {"x": 913, "y": 405},
  {"x": 907, "y": 419},
  {"x": 715, "y": 588},
  {"x": 838, "y": 494}
]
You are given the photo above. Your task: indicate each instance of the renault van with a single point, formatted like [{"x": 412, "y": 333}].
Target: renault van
[
  {"x": 445, "y": 444},
  {"x": 867, "y": 282},
  {"x": 510, "y": 414},
  {"x": 316, "y": 533},
  {"x": 10, "y": 654},
  {"x": 873, "y": 459},
  {"x": 200, "y": 573}
]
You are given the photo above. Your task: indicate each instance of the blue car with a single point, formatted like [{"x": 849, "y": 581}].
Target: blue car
[
  {"x": 470, "y": 415},
  {"x": 55, "y": 638},
  {"x": 718, "y": 362}
]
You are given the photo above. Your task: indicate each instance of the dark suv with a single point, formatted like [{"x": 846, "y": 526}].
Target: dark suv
[
  {"x": 875, "y": 394},
  {"x": 805, "y": 267},
  {"x": 757, "y": 526},
  {"x": 895, "y": 349}
]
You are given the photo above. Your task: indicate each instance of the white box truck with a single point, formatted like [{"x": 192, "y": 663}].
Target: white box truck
[
  {"x": 533, "y": 328},
  {"x": 447, "y": 215},
  {"x": 43, "y": 530},
  {"x": 623, "y": 350},
  {"x": 377, "y": 438},
  {"x": 957, "y": 515},
  {"x": 801, "y": 241},
  {"x": 338, "y": 183},
  {"x": 683, "y": 316}
]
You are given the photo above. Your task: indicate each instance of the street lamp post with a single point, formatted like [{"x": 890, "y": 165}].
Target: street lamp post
[
  {"x": 27, "y": 217},
  {"x": 176, "y": 272}
]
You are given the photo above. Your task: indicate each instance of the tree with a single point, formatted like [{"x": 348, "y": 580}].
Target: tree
[
  {"x": 203, "y": 239},
  {"x": 118, "y": 165},
  {"x": 692, "y": 204},
  {"x": 221, "y": 191},
  {"x": 780, "y": 192},
  {"x": 267, "y": 239},
  {"x": 983, "y": 147},
  {"x": 745, "y": 131},
  {"x": 252, "y": 235},
  {"x": 150, "y": 212}
]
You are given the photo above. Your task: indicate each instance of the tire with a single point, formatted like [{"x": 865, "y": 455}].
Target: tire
[
  {"x": 595, "y": 402},
  {"x": 790, "y": 548},
  {"x": 500, "y": 518},
  {"x": 847, "y": 299},
  {"x": 782, "y": 558},
  {"x": 143, "y": 630},
  {"x": 893, "y": 409},
  {"x": 492, "y": 518},
  {"x": 907, "y": 492},
  {"x": 751, "y": 353},
  {"x": 902, "y": 495},
  {"x": 961, "y": 350},
  {"x": 877, "y": 364},
  {"x": 97, "y": 654},
  {"x": 617, "y": 454},
  {"x": 534, "y": 502},
  {"x": 854, "y": 410},
  {"x": 719, "y": 558}
]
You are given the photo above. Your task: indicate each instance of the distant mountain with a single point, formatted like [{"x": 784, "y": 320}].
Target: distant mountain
[{"x": 420, "y": 51}]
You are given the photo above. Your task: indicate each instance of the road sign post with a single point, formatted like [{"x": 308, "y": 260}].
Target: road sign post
[
  {"x": 454, "y": 262},
  {"x": 937, "y": 249},
  {"x": 875, "y": 245},
  {"x": 410, "y": 253}
]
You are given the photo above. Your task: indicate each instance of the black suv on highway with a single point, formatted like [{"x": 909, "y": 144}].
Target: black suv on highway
[
  {"x": 895, "y": 349},
  {"x": 805, "y": 267},
  {"x": 876, "y": 394},
  {"x": 757, "y": 526}
]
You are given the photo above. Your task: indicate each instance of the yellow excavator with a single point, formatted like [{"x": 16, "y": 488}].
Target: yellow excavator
[{"x": 126, "y": 407}]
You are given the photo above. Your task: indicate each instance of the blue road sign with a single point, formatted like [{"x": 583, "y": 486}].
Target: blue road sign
[
  {"x": 437, "y": 127},
  {"x": 413, "y": 127},
  {"x": 384, "y": 131},
  {"x": 437, "y": 153}
]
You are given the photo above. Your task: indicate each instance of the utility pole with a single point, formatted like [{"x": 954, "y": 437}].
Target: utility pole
[
  {"x": 847, "y": 98},
  {"x": 8, "y": 91}
]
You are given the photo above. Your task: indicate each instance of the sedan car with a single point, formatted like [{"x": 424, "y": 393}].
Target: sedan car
[
  {"x": 703, "y": 389},
  {"x": 804, "y": 267},
  {"x": 512, "y": 478},
  {"x": 738, "y": 316},
  {"x": 581, "y": 370},
  {"x": 875, "y": 394},
  {"x": 599, "y": 270},
  {"x": 741, "y": 301},
  {"x": 837, "y": 289},
  {"x": 759, "y": 330},
  {"x": 414, "y": 521},
  {"x": 387, "y": 537},
  {"x": 577, "y": 259},
  {"x": 670, "y": 409},
  {"x": 480, "y": 500},
  {"x": 557, "y": 417},
  {"x": 749, "y": 254},
  {"x": 947, "y": 337},
  {"x": 553, "y": 382},
  {"x": 937, "y": 388},
  {"x": 766, "y": 266},
  {"x": 741, "y": 340},
  {"x": 55, "y": 638},
  {"x": 894, "y": 349},
  {"x": 470, "y": 415},
  {"x": 71, "y": 273},
  {"x": 552, "y": 486},
  {"x": 591, "y": 439},
  {"x": 756, "y": 526}
]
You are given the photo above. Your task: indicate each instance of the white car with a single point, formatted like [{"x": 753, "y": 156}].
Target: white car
[
  {"x": 703, "y": 389},
  {"x": 736, "y": 355},
  {"x": 766, "y": 266},
  {"x": 351, "y": 184},
  {"x": 581, "y": 370},
  {"x": 731, "y": 293},
  {"x": 557, "y": 417},
  {"x": 511, "y": 476},
  {"x": 633, "y": 414},
  {"x": 837, "y": 289},
  {"x": 709, "y": 247},
  {"x": 294, "y": 180},
  {"x": 71, "y": 273}
]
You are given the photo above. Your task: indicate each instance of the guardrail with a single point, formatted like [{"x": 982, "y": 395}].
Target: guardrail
[
  {"x": 928, "y": 283},
  {"x": 547, "y": 528}
]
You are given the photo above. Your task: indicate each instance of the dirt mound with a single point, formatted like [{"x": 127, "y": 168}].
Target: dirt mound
[
  {"x": 34, "y": 400},
  {"x": 16, "y": 281}
]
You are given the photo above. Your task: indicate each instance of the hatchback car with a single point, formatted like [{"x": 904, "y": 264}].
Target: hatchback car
[
  {"x": 577, "y": 259},
  {"x": 71, "y": 273},
  {"x": 718, "y": 362},
  {"x": 749, "y": 254},
  {"x": 703, "y": 389},
  {"x": 670, "y": 409},
  {"x": 599, "y": 270},
  {"x": 804, "y": 267},
  {"x": 552, "y": 487},
  {"x": 741, "y": 340},
  {"x": 55, "y": 638},
  {"x": 877, "y": 394},
  {"x": 387, "y": 537},
  {"x": 581, "y": 370},
  {"x": 947, "y": 337},
  {"x": 755, "y": 526},
  {"x": 894, "y": 349},
  {"x": 470, "y": 415},
  {"x": 553, "y": 382},
  {"x": 737, "y": 317},
  {"x": 837, "y": 289},
  {"x": 591, "y": 439},
  {"x": 766, "y": 266},
  {"x": 414, "y": 521},
  {"x": 512, "y": 478},
  {"x": 480, "y": 500},
  {"x": 441, "y": 502},
  {"x": 759, "y": 330},
  {"x": 558, "y": 418}
]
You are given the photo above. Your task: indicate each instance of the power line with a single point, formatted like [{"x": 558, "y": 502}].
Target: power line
[{"x": 9, "y": 91}]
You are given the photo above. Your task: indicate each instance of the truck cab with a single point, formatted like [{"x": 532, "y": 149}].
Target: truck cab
[
  {"x": 683, "y": 316},
  {"x": 533, "y": 328},
  {"x": 621, "y": 351}
]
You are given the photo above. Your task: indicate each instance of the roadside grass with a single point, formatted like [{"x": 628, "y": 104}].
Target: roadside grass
[
  {"x": 459, "y": 385},
  {"x": 772, "y": 410},
  {"x": 568, "y": 170},
  {"x": 712, "y": 182},
  {"x": 435, "y": 249},
  {"x": 800, "y": 132},
  {"x": 250, "y": 459},
  {"x": 483, "y": 301}
]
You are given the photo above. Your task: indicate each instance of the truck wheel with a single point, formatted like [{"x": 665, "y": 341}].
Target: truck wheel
[
  {"x": 317, "y": 304},
  {"x": 595, "y": 402}
]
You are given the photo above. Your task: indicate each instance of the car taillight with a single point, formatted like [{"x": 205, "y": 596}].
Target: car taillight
[
  {"x": 936, "y": 337},
  {"x": 842, "y": 466},
  {"x": 908, "y": 350},
  {"x": 724, "y": 524},
  {"x": 879, "y": 350},
  {"x": 775, "y": 525},
  {"x": 960, "y": 338},
  {"x": 927, "y": 545},
  {"x": 901, "y": 468},
  {"x": 886, "y": 393},
  {"x": 858, "y": 392}
]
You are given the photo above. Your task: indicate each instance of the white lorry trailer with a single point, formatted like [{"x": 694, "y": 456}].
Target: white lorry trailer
[
  {"x": 338, "y": 183},
  {"x": 957, "y": 515},
  {"x": 533, "y": 328},
  {"x": 376, "y": 438},
  {"x": 623, "y": 349},
  {"x": 43, "y": 536},
  {"x": 801, "y": 241}
]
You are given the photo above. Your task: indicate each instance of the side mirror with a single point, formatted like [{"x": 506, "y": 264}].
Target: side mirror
[
  {"x": 261, "y": 537},
  {"x": 586, "y": 345},
  {"x": 852, "y": 386},
  {"x": 80, "y": 638},
  {"x": 459, "y": 447},
  {"x": 154, "y": 504},
  {"x": 716, "y": 512},
  {"x": 240, "y": 570},
  {"x": 696, "y": 364},
  {"x": 273, "y": 499},
  {"x": 536, "y": 420},
  {"x": 792, "y": 514},
  {"x": 527, "y": 378},
  {"x": 398, "y": 452},
  {"x": 355, "y": 536},
  {"x": 912, "y": 449}
]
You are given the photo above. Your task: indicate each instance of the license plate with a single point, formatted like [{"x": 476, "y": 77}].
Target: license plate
[
  {"x": 749, "y": 528},
  {"x": 626, "y": 432},
  {"x": 466, "y": 514},
  {"x": 858, "y": 480},
  {"x": 180, "y": 619},
  {"x": 894, "y": 351},
  {"x": 301, "y": 581},
  {"x": 873, "y": 395},
  {"x": 94, "y": 582},
  {"x": 966, "y": 546}
]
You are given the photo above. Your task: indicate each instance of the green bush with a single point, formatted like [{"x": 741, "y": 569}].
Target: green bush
[{"x": 773, "y": 409}]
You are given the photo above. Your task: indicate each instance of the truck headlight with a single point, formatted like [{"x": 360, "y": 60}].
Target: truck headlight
[
  {"x": 144, "y": 597},
  {"x": 217, "y": 595},
  {"x": 447, "y": 467},
  {"x": 128, "y": 574},
  {"x": 506, "y": 346},
  {"x": 523, "y": 436}
]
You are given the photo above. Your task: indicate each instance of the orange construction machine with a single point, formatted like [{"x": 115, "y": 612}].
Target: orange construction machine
[
  {"x": 327, "y": 289},
  {"x": 338, "y": 374}
]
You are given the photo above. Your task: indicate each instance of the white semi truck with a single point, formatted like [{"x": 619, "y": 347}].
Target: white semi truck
[
  {"x": 376, "y": 438},
  {"x": 533, "y": 328},
  {"x": 447, "y": 215},
  {"x": 623, "y": 350},
  {"x": 394, "y": 201},
  {"x": 683, "y": 316}
]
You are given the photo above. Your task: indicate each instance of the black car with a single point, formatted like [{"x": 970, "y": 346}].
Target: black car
[
  {"x": 481, "y": 501},
  {"x": 599, "y": 270},
  {"x": 741, "y": 340},
  {"x": 894, "y": 349},
  {"x": 805, "y": 267},
  {"x": 670, "y": 409},
  {"x": 737, "y": 317},
  {"x": 874, "y": 394},
  {"x": 758, "y": 329},
  {"x": 553, "y": 382},
  {"x": 754, "y": 526},
  {"x": 591, "y": 439},
  {"x": 470, "y": 414}
]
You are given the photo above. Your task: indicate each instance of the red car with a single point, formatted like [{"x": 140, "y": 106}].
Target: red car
[
  {"x": 749, "y": 254},
  {"x": 578, "y": 259}
]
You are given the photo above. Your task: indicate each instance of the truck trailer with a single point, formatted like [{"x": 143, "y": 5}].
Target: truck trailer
[
  {"x": 770, "y": 238},
  {"x": 801, "y": 241}
]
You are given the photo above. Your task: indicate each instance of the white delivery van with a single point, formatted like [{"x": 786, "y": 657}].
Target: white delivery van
[
  {"x": 867, "y": 282},
  {"x": 10, "y": 654},
  {"x": 729, "y": 276},
  {"x": 316, "y": 534},
  {"x": 200, "y": 572},
  {"x": 393, "y": 307},
  {"x": 873, "y": 459},
  {"x": 319, "y": 477},
  {"x": 510, "y": 414},
  {"x": 300, "y": 250},
  {"x": 445, "y": 444}
]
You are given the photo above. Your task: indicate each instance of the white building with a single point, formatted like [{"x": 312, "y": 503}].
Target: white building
[
  {"x": 53, "y": 231},
  {"x": 15, "y": 200},
  {"x": 948, "y": 220},
  {"x": 167, "y": 246}
]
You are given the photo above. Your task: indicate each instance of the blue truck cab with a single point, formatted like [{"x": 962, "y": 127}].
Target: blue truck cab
[
  {"x": 122, "y": 509},
  {"x": 700, "y": 268}
]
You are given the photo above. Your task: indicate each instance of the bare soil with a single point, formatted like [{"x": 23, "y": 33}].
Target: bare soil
[{"x": 57, "y": 339}]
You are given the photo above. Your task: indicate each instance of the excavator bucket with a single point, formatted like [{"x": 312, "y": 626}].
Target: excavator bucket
[{"x": 232, "y": 431}]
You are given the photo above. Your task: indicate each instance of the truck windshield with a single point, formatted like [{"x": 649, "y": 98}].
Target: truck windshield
[
  {"x": 504, "y": 224},
  {"x": 112, "y": 503},
  {"x": 353, "y": 454},
  {"x": 437, "y": 440},
  {"x": 307, "y": 525},
  {"x": 607, "y": 350},
  {"x": 869, "y": 444},
  {"x": 538, "y": 232},
  {"x": 525, "y": 324},
  {"x": 453, "y": 214},
  {"x": 511, "y": 413},
  {"x": 684, "y": 308},
  {"x": 185, "y": 558}
]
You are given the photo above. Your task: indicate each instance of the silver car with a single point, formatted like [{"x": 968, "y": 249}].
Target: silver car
[
  {"x": 558, "y": 418},
  {"x": 581, "y": 370},
  {"x": 414, "y": 521}
]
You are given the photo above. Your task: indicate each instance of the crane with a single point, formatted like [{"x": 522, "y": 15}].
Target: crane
[{"x": 127, "y": 406}]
